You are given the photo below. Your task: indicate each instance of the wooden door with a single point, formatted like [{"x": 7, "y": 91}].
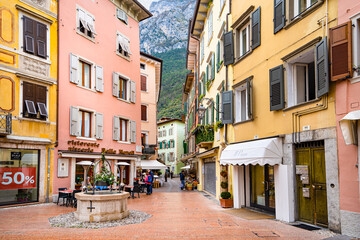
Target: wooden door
[{"x": 311, "y": 186}]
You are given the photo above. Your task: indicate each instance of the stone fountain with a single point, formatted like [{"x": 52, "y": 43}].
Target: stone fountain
[{"x": 100, "y": 206}]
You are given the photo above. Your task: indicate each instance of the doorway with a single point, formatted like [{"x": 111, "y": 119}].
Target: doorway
[
  {"x": 210, "y": 177},
  {"x": 262, "y": 187},
  {"x": 311, "y": 184}
]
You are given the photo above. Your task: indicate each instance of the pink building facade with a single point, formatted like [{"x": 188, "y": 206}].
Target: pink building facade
[
  {"x": 345, "y": 51},
  {"x": 99, "y": 88}
]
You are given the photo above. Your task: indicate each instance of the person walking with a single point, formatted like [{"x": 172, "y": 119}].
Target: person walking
[
  {"x": 148, "y": 181},
  {"x": 166, "y": 175},
  {"x": 152, "y": 180},
  {"x": 182, "y": 180}
]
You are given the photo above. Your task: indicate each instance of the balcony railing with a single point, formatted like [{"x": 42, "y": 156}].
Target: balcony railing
[
  {"x": 149, "y": 149},
  {"x": 5, "y": 123}
]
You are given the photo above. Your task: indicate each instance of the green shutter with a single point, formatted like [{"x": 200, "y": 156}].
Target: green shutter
[
  {"x": 161, "y": 145},
  {"x": 228, "y": 48},
  {"x": 200, "y": 89},
  {"x": 279, "y": 15},
  {"x": 218, "y": 56},
  {"x": 217, "y": 107},
  {"x": 173, "y": 143},
  {"x": 169, "y": 144},
  {"x": 322, "y": 71},
  {"x": 255, "y": 29},
  {"x": 185, "y": 108},
  {"x": 277, "y": 88},
  {"x": 227, "y": 107},
  {"x": 207, "y": 116},
  {"x": 207, "y": 74},
  {"x": 213, "y": 113},
  {"x": 212, "y": 67}
]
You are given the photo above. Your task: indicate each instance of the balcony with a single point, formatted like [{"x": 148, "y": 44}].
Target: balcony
[
  {"x": 5, "y": 123},
  {"x": 149, "y": 149}
]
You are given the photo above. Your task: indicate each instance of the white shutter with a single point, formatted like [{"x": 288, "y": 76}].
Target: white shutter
[
  {"x": 91, "y": 23},
  {"x": 74, "y": 116},
  {"x": 99, "y": 79},
  {"x": 74, "y": 65},
  {"x": 116, "y": 128},
  {"x": 126, "y": 18},
  {"x": 115, "y": 84},
  {"x": 133, "y": 91},
  {"x": 133, "y": 131},
  {"x": 99, "y": 125}
]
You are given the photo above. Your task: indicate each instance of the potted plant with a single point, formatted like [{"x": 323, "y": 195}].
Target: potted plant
[
  {"x": 105, "y": 177},
  {"x": 225, "y": 200},
  {"x": 223, "y": 173},
  {"x": 218, "y": 125},
  {"x": 224, "y": 185}
]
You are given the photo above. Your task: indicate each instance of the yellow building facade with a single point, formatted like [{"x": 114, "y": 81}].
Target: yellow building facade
[
  {"x": 28, "y": 99},
  {"x": 283, "y": 148}
]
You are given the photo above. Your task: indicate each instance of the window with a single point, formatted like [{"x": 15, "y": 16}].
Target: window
[
  {"x": 84, "y": 124},
  {"x": 296, "y": 7},
  {"x": 222, "y": 4},
  {"x": 210, "y": 71},
  {"x": 202, "y": 49},
  {"x": 123, "y": 46},
  {"x": 85, "y": 23},
  {"x": 123, "y": 130},
  {"x": 241, "y": 104},
  {"x": 356, "y": 44},
  {"x": 81, "y": 73},
  {"x": 164, "y": 133},
  {"x": 243, "y": 42},
  {"x": 220, "y": 53},
  {"x": 34, "y": 37},
  {"x": 123, "y": 93},
  {"x": 85, "y": 74},
  {"x": 301, "y": 79},
  {"x": 160, "y": 133},
  {"x": 210, "y": 26},
  {"x": 121, "y": 15},
  {"x": 164, "y": 144},
  {"x": 34, "y": 101},
  {"x": 142, "y": 66},
  {"x": 171, "y": 157},
  {"x": 170, "y": 131},
  {"x": 143, "y": 83},
  {"x": 143, "y": 112},
  {"x": 249, "y": 27}
]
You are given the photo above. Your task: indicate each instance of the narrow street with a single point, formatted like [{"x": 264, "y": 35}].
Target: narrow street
[
  {"x": 172, "y": 185},
  {"x": 175, "y": 215}
]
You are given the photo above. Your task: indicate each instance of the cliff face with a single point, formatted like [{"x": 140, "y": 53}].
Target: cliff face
[{"x": 168, "y": 28}]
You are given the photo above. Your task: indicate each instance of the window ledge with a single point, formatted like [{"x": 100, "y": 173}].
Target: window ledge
[
  {"x": 242, "y": 57},
  {"x": 124, "y": 142},
  {"x": 221, "y": 66},
  {"x": 85, "y": 36},
  {"x": 144, "y": 91},
  {"x": 222, "y": 9},
  {"x": 145, "y": 121},
  {"x": 88, "y": 89},
  {"x": 124, "y": 57},
  {"x": 303, "y": 14},
  {"x": 87, "y": 139},
  {"x": 355, "y": 79},
  {"x": 40, "y": 59},
  {"x": 302, "y": 104},
  {"x": 209, "y": 41},
  {"x": 33, "y": 120},
  {"x": 245, "y": 121},
  {"x": 123, "y": 100}
]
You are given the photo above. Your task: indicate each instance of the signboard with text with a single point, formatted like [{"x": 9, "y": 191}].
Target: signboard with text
[{"x": 17, "y": 178}]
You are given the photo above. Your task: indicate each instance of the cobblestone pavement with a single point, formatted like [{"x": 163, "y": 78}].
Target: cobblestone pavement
[{"x": 175, "y": 215}]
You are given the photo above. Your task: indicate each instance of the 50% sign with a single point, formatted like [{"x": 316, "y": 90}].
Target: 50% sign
[{"x": 17, "y": 178}]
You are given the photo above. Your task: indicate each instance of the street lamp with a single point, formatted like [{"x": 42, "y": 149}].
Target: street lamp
[{"x": 202, "y": 109}]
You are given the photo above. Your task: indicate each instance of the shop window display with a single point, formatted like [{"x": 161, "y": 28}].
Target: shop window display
[{"x": 19, "y": 176}]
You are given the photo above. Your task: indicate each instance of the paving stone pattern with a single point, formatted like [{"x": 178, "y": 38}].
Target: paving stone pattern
[{"x": 175, "y": 215}]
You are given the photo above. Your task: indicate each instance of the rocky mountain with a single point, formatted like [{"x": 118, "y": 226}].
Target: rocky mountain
[{"x": 168, "y": 28}]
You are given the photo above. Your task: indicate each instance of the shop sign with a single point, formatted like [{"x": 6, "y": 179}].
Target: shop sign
[
  {"x": 15, "y": 155},
  {"x": 17, "y": 178},
  {"x": 80, "y": 146}
]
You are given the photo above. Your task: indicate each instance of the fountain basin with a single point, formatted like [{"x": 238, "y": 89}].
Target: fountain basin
[{"x": 101, "y": 207}]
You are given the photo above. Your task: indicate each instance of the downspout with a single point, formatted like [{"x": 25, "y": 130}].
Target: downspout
[
  {"x": 227, "y": 69},
  {"x": 58, "y": 75},
  {"x": 48, "y": 177}
]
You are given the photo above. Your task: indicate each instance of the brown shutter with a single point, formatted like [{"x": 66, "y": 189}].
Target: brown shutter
[
  {"x": 29, "y": 35},
  {"x": 40, "y": 94},
  {"x": 41, "y": 39},
  {"x": 143, "y": 113},
  {"x": 29, "y": 91},
  {"x": 143, "y": 83},
  {"x": 341, "y": 52}
]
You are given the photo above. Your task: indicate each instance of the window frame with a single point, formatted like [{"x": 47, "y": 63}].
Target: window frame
[
  {"x": 127, "y": 129},
  {"x": 210, "y": 19},
  {"x": 239, "y": 39},
  {"x": 144, "y": 106},
  {"x": 355, "y": 20},
  {"x": 127, "y": 93},
  {"x": 78, "y": 22},
  {"x": 21, "y": 38},
  {"x": 22, "y": 101},
  {"x": 92, "y": 125},
  {"x": 122, "y": 53},
  {"x": 82, "y": 64},
  {"x": 82, "y": 125},
  {"x": 141, "y": 83},
  {"x": 289, "y": 21},
  {"x": 239, "y": 105},
  {"x": 144, "y": 64}
]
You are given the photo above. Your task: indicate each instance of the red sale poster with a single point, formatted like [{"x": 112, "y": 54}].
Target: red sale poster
[{"x": 17, "y": 178}]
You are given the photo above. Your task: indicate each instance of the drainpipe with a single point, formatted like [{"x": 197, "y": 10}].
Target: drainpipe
[
  {"x": 226, "y": 68},
  {"x": 48, "y": 176},
  {"x": 57, "y": 74}
]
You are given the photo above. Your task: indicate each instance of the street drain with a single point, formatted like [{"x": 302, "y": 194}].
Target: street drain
[{"x": 264, "y": 234}]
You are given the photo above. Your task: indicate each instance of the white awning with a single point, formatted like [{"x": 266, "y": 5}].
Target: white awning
[
  {"x": 266, "y": 151},
  {"x": 152, "y": 164},
  {"x": 124, "y": 43},
  {"x": 348, "y": 126},
  {"x": 186, "y": 167}
]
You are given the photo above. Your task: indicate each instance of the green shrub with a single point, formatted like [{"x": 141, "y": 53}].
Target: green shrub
[
  {"x": 225, "y": 195},
  {"x": 224, "y": 185}
]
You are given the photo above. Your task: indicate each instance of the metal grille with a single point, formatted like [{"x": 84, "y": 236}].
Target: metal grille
[
  {"x": 314, "y": 144},
  {"x": 5, "y": 123}
]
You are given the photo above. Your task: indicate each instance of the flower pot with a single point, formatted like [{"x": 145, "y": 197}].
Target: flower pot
[{"x": 226, "y": 203}]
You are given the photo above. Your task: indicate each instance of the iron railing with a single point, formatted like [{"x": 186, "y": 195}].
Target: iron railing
[
  {"x": 5, "y": 123},
  {"x": 149, "y": 149}
]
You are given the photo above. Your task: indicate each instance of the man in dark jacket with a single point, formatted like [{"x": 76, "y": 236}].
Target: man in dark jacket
[
  {"x": 182, "y": 180},
  {"x": 152, "y": 180}
]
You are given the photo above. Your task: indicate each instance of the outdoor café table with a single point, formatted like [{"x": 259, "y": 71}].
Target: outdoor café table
[
  {"x": 142, "y": 186},
  {"x": 68, "y": 195},
  {"x": 130, "y": 190}
]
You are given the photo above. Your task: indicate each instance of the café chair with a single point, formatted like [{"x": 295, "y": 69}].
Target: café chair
[{"x": 62, "y": 195}]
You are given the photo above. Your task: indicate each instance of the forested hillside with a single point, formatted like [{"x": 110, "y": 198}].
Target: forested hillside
[{"x": 174, "y": 73}]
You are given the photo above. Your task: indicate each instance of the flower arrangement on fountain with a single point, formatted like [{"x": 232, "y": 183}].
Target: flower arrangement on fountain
[{"x": 105, "y": 177}]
